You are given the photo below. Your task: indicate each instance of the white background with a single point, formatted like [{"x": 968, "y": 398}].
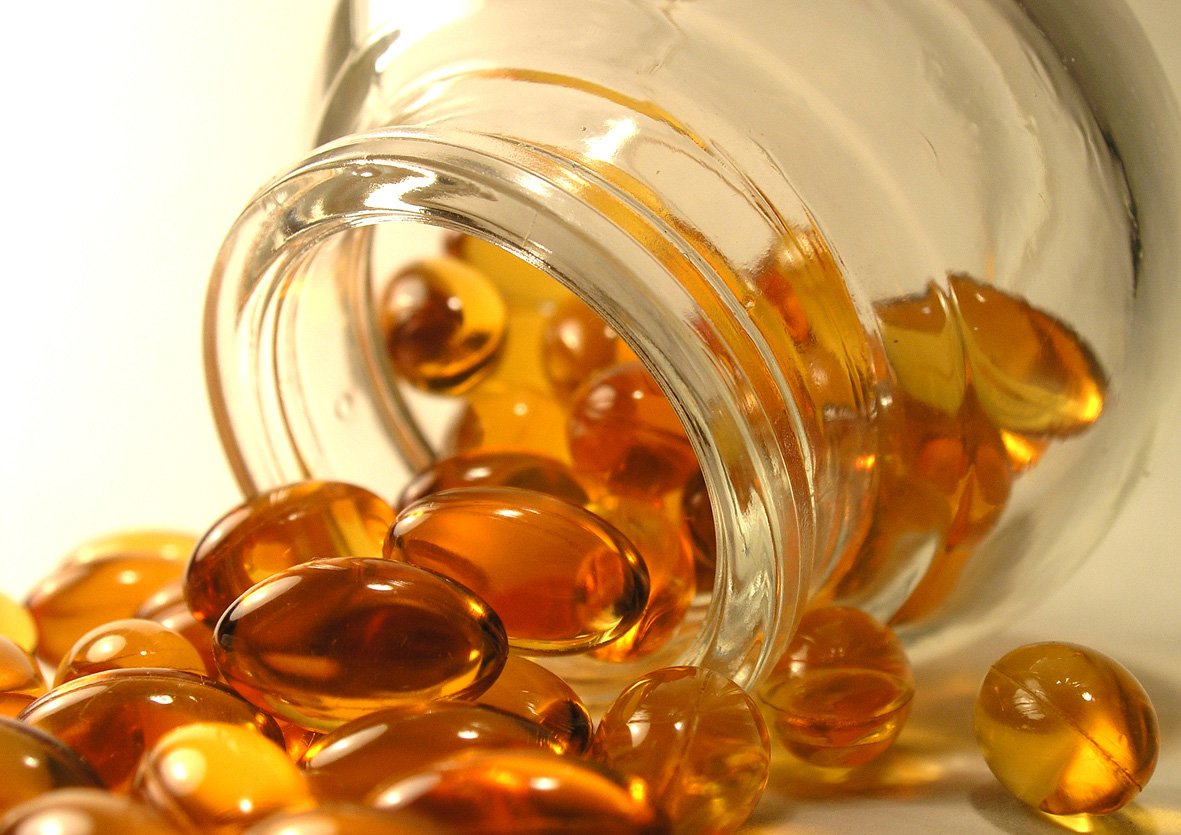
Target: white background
[{"x": 133, "y": 134}]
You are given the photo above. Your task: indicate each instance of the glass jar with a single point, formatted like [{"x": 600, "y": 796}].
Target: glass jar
[{"x": 902, "y": 269}]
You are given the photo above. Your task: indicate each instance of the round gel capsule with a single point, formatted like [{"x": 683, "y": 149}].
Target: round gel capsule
[
  {"x": 111, "y": 718},
  {"x": 1066, "y": 729},
  {"x": 696, "y": 739},
  {"x": 331, "y": 640},
  {"x": 128, "y": 643},
  {"x": 215, "y": 777},
  {"x": 443, "y": 324},
  {"x": 841, "y": 693},
  {"x": 562, "y": 579}
]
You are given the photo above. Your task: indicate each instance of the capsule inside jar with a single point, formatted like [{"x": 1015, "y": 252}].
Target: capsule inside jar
[{"x": 562, "y": 579}]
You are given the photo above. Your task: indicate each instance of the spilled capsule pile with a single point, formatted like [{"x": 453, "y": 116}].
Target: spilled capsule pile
[{"x": 389, "y": 665}]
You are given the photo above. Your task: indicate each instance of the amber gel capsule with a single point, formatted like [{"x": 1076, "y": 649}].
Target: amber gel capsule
[
  {"x": 562, "y": 579},
  {"x": 696, "y": 739},
  {"x": 623, "y": 431},
  {"x": 351, "y": 761},
  {"x": 34, "y": 762},
  {"x": 523, "y": 791},
  {"x": 277, "y": 529},
  {"x": 219, "y": 778},
  {"x": 331, "y": 640},
  {"x": 101, "y": 580},
  {"x": 443, "y": 323},
  {"x": 111, "y": 718},
  {"x": 344, "y": 818},
  {"x": 128, "y": 643},
  {"x": 1066, "y": 729},
  {"x": 527, "y": 689},
  {"x": 842, "y": 690},
  {"x": 16, "y": 623},
  {"x": 21, "y": 680},
  {"x": 495, "y": 468}
]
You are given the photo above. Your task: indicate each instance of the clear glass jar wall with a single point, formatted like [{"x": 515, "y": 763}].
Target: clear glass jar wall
[{"x": 902, "y": 269}]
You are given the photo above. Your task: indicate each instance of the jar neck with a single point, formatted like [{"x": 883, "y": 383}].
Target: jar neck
[{"x": 684, "y": 284}]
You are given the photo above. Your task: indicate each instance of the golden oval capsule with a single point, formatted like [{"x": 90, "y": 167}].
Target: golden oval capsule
[
  {"x": 219, "y": 778},
  {"x": 696, "y": 739},
  {"x": 21, "y": 680},
  {"x": 34, "y": 762},
  {"x": 562, "y": 579},
  {"x": 492, "y": 468},
  {"x": 128, "y": 643},
  {"x": 278, "y": 529},
  {"x": 342, "y": 818},
  {"x": 523, "y": 791},
  {"x": 527, "y": 689},
  {"x": 111, "y": 718},
  {"x": 331, "y": 640},
  {"x": 351, "y": 761},
  {"x": 671, "y": 573},
  {"x": 84, "y": 810},
  {"x": 101, "y": 580}
]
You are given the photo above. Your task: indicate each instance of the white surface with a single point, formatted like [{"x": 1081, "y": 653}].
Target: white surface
[{"x": 135, "y": 131}]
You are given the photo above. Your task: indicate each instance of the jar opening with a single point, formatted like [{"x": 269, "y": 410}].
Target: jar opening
[{"x": 321, "y": 384}]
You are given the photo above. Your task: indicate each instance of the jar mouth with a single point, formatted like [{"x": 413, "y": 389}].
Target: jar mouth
[{"x": 299, "y": 389}]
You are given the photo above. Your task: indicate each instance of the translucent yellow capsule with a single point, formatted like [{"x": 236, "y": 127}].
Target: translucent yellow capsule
[
  {"x": 278, "y": 529},
  {"x": 21, "y": 680},
  {"x": 671, "y": 573},
  {"x": 1031, "y": 372},
  {"x": 842, "y": 691},
  {"x": 328, "y": 641},
  {"x": 501, "y": 417},
  {"x": 129, "y": 643},
  {"x": 351, "y": 761},
  {"x": 492, "y": 468},
  {"x": 1066, "y": 729},
  {"x": 111, "y": 718},
  {"x": 562, "y": 579},
  {"x": 696, "y": 739},
  {"x": 443, "y": 324},
  {"x": 623, "y": 431},
  {"x": 523, "y": 791},
  {"x": 342, "y": 818},
  {"x": 17, "y": 624},
  {"x": 102, "y": 580},
  {"x": 219, "y": 778},
  {"x": 527, "y": 689}
]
